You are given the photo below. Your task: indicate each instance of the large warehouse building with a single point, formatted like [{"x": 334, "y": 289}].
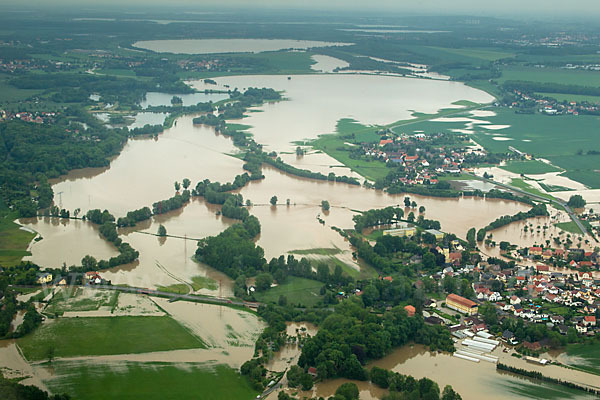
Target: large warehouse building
[{"x": 461, "y": 304}]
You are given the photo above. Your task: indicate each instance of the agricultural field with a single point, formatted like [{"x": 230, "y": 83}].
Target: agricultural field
[
  {"x": 585, "y": 356},
  {"x": 81, "y": 299},
  {"x": 483, "y": 54},
  {"x": 540, "y": 390},
  {"x": 137, "y": 380},
  {"x": 91, "y": 336},
  {"x": 302, "y": 291},
  {"x": 14, "y": 241},
  {"x": 554, "y": 75},
  {"x": 579, "y": 98},
  {"x": 529, "y": 167},
  {"x": 569, "y": 227}
]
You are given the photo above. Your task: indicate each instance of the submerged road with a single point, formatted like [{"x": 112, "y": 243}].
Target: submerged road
[{"x": 176, "y": 297}]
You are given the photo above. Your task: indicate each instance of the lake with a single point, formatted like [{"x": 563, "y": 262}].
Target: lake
[{"x": 219, "y": 46}]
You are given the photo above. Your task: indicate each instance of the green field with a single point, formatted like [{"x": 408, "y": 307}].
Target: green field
[
  {"x": 555, "y": 75},
  {"x": 148, "y": 381},
  {"x": 70, "y": 337},
  {"x": 569, "y": 227},
  {"x": 525, "y": 388},
  {"x": 72, "y": 299},
  {"x": 13, "y": 240},
  {"x": 529, "y": 167},
  {"x": 579, "y": 98},
  {"x": 319, "y": 251},
  {"x": 202, "y": 282},
  {"x": 297, "y": 290},
  {"x": 521, "y": 184},
  {"x": 587, "y": 356},
  {"x": 484, "y": 54}
]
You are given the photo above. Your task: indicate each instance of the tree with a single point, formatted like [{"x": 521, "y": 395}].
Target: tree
[
  {"x": 162, "y": 231},
  {"x": 349, "y": 390},
  {"x": 325, "y": 205},
  {"x": 449, "y": 284},
  {"x": 264, "y": 281},
  {"x": 177, "y": 186},
  {"x": 306, "y": 381},
  {"x": 421, "y": 209},
  {"x": 413, "y": 204},
  {"x": 407, "y": 201},
  {"x": 273, "y": 200},
  {"x": 576, "y": 201},
  {"x": 471, "y": 237},
  {"x": 450, "y": 394},
  {"x": 282, "y": 301},
  {"x": 186, "y": 183},
  {"x": 176, "y": 100},
  {"x": 89, "y": 263},
  {"x": 411, "y": 217}
]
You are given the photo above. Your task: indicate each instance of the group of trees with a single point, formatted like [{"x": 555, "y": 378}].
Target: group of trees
[
  {"x": 376, "y": 217},
  {"x": 133, "y": 217},
  {"x": 405, "y": 386},
  {"x": 175, "y": 202},
  {"x": 352, "y": 336},
  {"x": 12, "y": 390},
  {"x": 233, "y": 251}
]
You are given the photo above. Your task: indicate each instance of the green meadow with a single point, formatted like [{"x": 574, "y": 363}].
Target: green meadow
[
  {"x": 148, "y": 381},
  {"x": 96, "y": 336}
]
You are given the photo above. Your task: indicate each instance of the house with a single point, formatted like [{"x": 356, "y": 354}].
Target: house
[
  {"x": 91, "y": 275},
  {"x": 438, "y": 235},
  {"x": 401, "y": 232},
  {"x": 514, "y": 300},
  {"x": 312, "y": 371},
  {"x": 589, "y": 320},
  {"x": 60, "y": 281},
  {"x": 543, "y": 269},
  {"x": 535, "y": 251},
  {"x": 44, "y": 278},
  {"x": 460, "y": 304},
  {"x": 557, "y": 319},
  {"x": 535, "y": 346},
  {"x": 410, "y": 310}
]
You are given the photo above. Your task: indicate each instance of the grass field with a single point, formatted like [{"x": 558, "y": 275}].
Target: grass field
[
  {"x": 297, "y": 290},
  {"x": 521, "y": 184},
  {"x": 177, "y": 288},
  {"x": 529, "y": 167},
  {"x": 318, "y": 251},
  {"x": 484, "y": 54},
  {"x": 572, "y": 97},
  {"x": 73, "y": 299},
  {"x": 202, "y": 282},
  {"x": 569, "y": 227},
  {"x": 588, "y": 354},
  {"x": 96, "y": 336},
  {"x": 9, "y": 93},
  {"x": 555, "y": 75},
  {"x": 525, "y": 388},
  {"x": 149, "y": 381},
  {"x": 13, "y": 240}
]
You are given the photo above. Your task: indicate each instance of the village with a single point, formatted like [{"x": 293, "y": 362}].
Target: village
[{"x": 422, "y": 158}]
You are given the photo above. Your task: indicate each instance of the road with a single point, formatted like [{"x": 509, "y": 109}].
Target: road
[
  {"x": 554, "y": 200},
  {"x": 176, "y": 297}
]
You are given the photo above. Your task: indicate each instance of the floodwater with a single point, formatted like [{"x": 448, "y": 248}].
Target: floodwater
[
  {"x": 369, "y": 99},
  {"x": 220, "y": 327},
  {"x": 65, "y": 241},
  {"x": 469, "y": 379},
  {"x": 140, "y": 119},
  {"x": 189, "y": 99},
  {"x": 327, "y": 64},
  {"x": 146, "y": 169},
  {"x": 220, "y": 46},
  {"x": 13, "y": 365}
]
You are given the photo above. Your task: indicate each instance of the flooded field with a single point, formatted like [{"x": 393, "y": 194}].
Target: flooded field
[
  {"x": 210, "y": 46},
  {"x": 327, "y": 64},
  {"x": 189, "y": 99},
  {"x": 59, "y": 236},
  {"x": 469, "y": 379},
  {"x": 184, "y": 151},
  {"x": 329, "y": 98}
]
